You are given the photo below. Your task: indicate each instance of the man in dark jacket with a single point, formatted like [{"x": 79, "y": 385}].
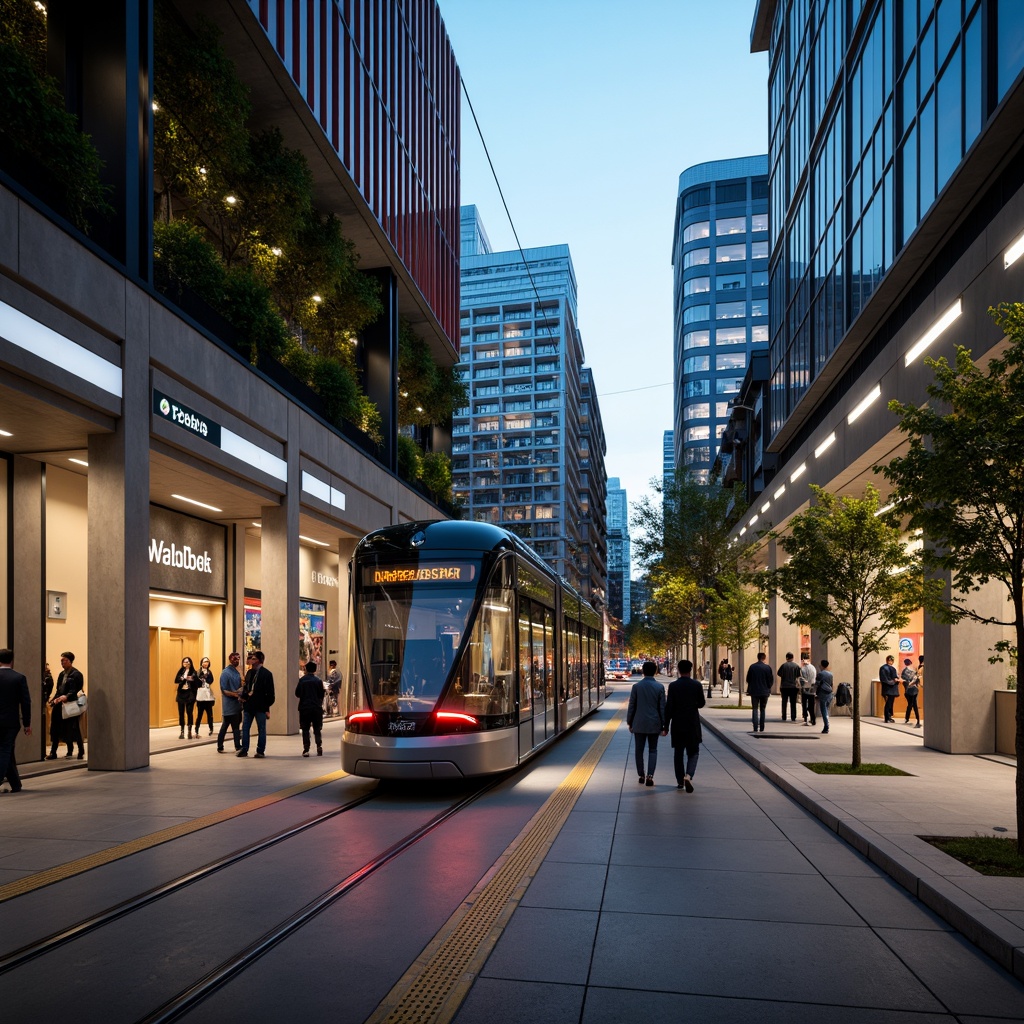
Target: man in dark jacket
[
  {"x": 890, "y": 680},
  {"x": 70, "y": 684},
  {"x": 759, "y": 686},
  {"x": 682, "y": 720},
  {"x": 645, "y": 716},
  {"x": 257, "y": 699},
  {"x": 789, "y": 685},
  {"x": 310, "y": 691},
  {"x": 14, "y": 698}
]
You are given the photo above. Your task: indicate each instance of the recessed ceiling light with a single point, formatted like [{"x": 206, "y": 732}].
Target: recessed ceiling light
[
  {"x": 79, "y": 462},
  {"x": 6, "y": 433},
  {"x": 311, "y": 540},
  {"x": 201, "y": 504}
]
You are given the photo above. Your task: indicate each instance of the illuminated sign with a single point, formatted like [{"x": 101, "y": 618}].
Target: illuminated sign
[
  {"x": 192, "y": 421},
  {"x": 432, "y": 572}
]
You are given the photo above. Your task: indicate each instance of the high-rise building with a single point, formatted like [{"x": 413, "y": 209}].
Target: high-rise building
[
  {"x": 161, "y": 496},
  {"x": 720, "y": 298},
  {"x": 528, "y": 452},
  {"x": 618, "y": 552},
  {"x": 668, "y": 457},
  {"x": 896, "y": 155}
]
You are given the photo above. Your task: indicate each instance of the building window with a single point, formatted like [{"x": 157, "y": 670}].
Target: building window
[
  {"x": 731, "y": 226},
  {"x": 730, "y": 310},
  {"x": 696, "y": 285},
  {"x": 731, "y": 253},
  {"x": 699, "y": 453},
  {"x": 701, "y": 229},
  {"x": 731, "y": 361},
  {"x": 697, "y": 411},
  {"x": 696, "y": 339},
  {"x": 759, "y": 250},
  {"x": 759, "y": 332},
  {"x": 727, "y": 386},
  {"x": 759, "y": 307},
  {"x": 696, "y": 364},
  {"x": 696, "y": 388},
  {"x": 759, "y": 279},
  {"x": 759, "y": 222},
  {"x": 731, "y": 336},
  {"x": 731, "y": 282},
  {"x": 697, "y": 258},
  {"x": 694, "y": 314},
  {"x": 697, "y": 433}
]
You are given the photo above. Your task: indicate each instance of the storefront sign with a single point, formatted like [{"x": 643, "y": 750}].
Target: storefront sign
[
  {"x": 171, "y": 409},
  {"x": 186, "y": 555}
]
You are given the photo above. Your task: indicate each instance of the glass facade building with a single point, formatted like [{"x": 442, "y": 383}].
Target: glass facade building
[
  {"x": 528, "y": 452},
  {"x": 720, "y": 298},
  {"x": 619, "y": 562}
]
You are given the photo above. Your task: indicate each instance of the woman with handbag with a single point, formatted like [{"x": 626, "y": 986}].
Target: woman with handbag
[
  {"x": 204, "y": 695},
  {"x": 186, "y": 683},
  {"x": 70, "y": 684}
]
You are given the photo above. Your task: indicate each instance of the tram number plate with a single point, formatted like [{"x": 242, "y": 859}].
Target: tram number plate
[{"x": 401, "y": 725}]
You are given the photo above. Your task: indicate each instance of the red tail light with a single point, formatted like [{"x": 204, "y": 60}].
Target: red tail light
[{"x": 454, "y": 721}]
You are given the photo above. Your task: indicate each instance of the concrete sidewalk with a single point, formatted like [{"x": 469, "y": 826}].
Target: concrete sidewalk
[{"x": 883, "y": 817}]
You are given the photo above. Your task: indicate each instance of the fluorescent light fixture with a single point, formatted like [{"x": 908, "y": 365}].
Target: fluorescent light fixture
[
  {"x": 252, "y": 454},
  {"x": 934, "y": 331},
  {"x": 825, "y": 445},
  {"x": 780, "y": 492},
  {"x": 79, "y": 462},
  {"x": 765, "y": 507},
  {"x": 797, "y": 472},
  {"x": 1014, "y": 253},
  {"x": 743, "y": 531},
  {"x": 259, "y": 526},
  {"x": 324, "y": 491},
  {"x": 311, "y": 540},
  {"x": 863, "y": 405},
  {"x": 6, "y": 433},
  {"x": 752, "y": 520},
  {"x": 886, "y": 508},
  {"x": 185, "y": 600},
  {"x": 201, "y": 504}
]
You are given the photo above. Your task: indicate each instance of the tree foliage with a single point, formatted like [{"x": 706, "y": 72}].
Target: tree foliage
[
  {"x": 961, "y": 482},
  {"x": 733, "y": 616},
  {"x": 851, "y": 576}
]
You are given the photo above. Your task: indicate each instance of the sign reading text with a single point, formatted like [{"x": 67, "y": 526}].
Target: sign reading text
[
  {"x": 186, "y": 555},
  {"x": 170, "y": 409},
  {"x": 430, "y": 572}
]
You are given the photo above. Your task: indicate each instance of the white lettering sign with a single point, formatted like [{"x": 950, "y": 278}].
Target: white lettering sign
[
  {"x": 323, "y": 579},
  {"x": 179, "y": 558},
  {"x": 189, "y": 420}
]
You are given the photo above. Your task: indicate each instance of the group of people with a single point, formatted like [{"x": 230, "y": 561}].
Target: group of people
[
  {"x": 194, "y": 690},
  {"x": 652, "y": 713},
  {"x": 890, "y": 683}
]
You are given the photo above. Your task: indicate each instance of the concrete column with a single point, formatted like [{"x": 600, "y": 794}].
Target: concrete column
[
  {"x": 117, "y": 680},
  {"x": 28, "y": 578},
  {"x": 958, "y": 679},
  {"x": 234, "y": 633},
  {"x": 279, "y": 590},
  {"x": 783, "y": 635}
]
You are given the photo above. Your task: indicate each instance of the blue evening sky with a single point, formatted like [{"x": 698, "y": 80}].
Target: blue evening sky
[{"x": 591, "y": 109}]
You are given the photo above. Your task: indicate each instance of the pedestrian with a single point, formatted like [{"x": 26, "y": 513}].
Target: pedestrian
[
  {"x": 808, "y": 689},
  {"x": 725, "y": 675},
  {"x": 70, "y": 683},
  {"x": 204, "y": 705},
  {"x": 890, "y": 681},
  {"x": 911, "y": 688},
  {"x": 186, "y": 682},
  {"x": 310, "y": 691},
  {"x": 14, "y": 697},
  {"x": 759, "y": 687},
  {"x": 789, "y": 685},
  {"x": 257, "y": 699},
  {"x": 333, "y": 687},
  {"x": 645, "y": 717},
  {"x": 56, "y": 719},
  {"x": 230, "y": 705},
  {"x": 824, "y": 684},
  {"x": 682, "y": 720}
]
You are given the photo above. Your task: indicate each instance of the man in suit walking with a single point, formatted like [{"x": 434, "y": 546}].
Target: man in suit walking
[
  {"x": 682, "y": 720},
  {"x": 759, "y": 686},
  {"x": 15, "y": 703},
  {"x": 645, "y": 717}
]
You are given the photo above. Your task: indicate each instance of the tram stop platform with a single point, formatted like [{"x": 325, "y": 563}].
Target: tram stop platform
[{"x": 769, "y": 894}]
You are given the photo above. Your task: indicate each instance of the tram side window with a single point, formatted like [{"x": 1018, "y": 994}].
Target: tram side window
[{"x": 526, "y": 679}]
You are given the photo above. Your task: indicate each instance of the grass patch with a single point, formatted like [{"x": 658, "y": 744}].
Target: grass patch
[
  {"x": 988, "y": 855},
  {"x": 841, "y": 768}
]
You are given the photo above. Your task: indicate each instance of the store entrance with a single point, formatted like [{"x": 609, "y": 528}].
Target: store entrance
[{"x": 166, "y": 649}]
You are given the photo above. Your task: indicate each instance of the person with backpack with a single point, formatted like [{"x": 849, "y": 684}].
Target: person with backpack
[{"x": 823, "y": 684}]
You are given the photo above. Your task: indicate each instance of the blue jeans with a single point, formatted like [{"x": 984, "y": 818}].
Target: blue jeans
[
  {"x": 261, "y": 728},
  {"x": 758, "y": 705},
  {"x": 651, "y": 739},
  {"x": 824, "y": 702}
]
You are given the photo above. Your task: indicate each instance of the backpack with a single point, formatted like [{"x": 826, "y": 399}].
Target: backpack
[{"x": 842, "y": 695}]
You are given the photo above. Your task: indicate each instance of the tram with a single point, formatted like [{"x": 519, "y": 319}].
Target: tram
[{"x": 468, "y": 654}]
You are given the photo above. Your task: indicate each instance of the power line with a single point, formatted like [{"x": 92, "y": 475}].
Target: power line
[{"x": 628, "y": 391}]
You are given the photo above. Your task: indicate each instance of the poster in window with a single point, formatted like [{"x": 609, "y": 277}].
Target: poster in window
[
  {"x": 312, "y": 621},
  {"x": 253, "y": 613}
]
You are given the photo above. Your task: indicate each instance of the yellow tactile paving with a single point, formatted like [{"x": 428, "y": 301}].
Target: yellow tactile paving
[
  {"x": 433, "y": 988},
  {"x": 75, "y": 867}
]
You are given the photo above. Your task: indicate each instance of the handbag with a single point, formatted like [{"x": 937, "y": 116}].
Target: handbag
[
  {"x": 74, "y": 708},
  {"x": 204, "y": 693}
]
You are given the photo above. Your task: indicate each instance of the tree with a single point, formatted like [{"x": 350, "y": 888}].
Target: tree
[
  {"x": 851, "y": 576},
  {"x": 736, "y": 615},
  {"x": 961, "y": 481},
  {"x": 675, "y": 607}
]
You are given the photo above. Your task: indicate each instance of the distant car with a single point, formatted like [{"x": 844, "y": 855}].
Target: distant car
[
  {"x": 636, "y": 666},
  {"x": 617, "y": 668}
]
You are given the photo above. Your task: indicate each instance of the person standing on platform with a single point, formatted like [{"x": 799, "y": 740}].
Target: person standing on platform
[
  {"x": 911, "y": 688},
  {"x": 682, "y": 721},
  {"x": 14, "y": 698},
  {"x": 789, "y": 684},
  {"x": 759, "y": 687},
  {"x": 725, "y": 675},
  {"x": 890, "y": 681},
  {"x": 645, "y": 716},
  {"x": 310, "y": 691},
  {"x": 230, "y": 705},
  {"x": 808, "y": 690},
  {"x": 205, "y": 675},
  {"x": 257, "y": 699},
  {"x": 826, "y": 691},
  {"x": 186, "y": 682},
  {"x": 70, "y": 684}
]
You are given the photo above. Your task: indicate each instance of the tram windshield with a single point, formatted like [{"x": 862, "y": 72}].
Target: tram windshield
[{"x": 410, "y": 624}]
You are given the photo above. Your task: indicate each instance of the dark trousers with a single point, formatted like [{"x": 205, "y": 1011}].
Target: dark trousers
[
  {"x": 912, "y": 706},
  {"x": 204, "y": 707},
  {"x": 650, "y": 740},
  {"x": 234, "y": 721},
  {"x": 8, "y": 762},
  {"x": 185, "y": 707},
  {"x": 758, "y": 706},
  {"x": 311, "y": 717},
  {"x": 72, "y": 732},
  {"x": 57, "y": 731},
  {"x": 888, "y": 706},
  {"x": 790, "y": 697},
  {"x": 685, "y": 757},
  {"x": 807, "y": 707}
]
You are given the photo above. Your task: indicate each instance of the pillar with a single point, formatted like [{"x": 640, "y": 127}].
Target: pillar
[{"x": 783, "y": 635}]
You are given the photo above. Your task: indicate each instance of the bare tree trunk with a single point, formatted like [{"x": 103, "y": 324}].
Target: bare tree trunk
[
  {"x": 1019, "y": 738},
  {"x": 855, "y": 763}
]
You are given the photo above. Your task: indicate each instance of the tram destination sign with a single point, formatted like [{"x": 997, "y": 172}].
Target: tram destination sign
[
  {"x": 423, "y": 572},
  {"x": 188, "y": 419}
]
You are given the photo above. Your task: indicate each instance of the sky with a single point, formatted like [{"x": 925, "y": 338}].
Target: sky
[{"x": 590, "y": 110}]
